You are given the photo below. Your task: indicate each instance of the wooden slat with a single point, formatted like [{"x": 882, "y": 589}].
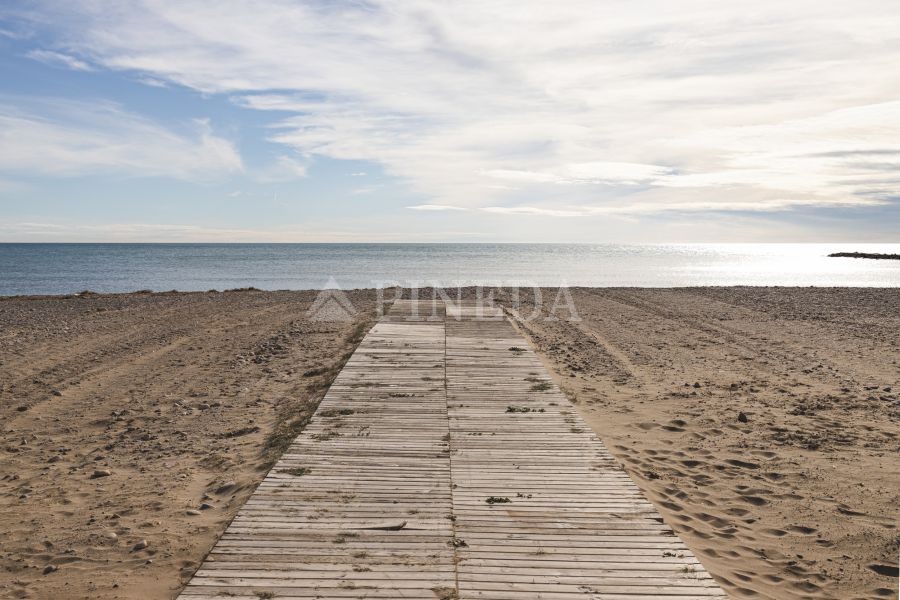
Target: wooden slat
[{"x": 419, "y": 429}]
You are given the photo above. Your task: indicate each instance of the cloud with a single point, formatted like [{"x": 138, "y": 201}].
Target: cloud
[
  {"x": 285, "y": 168},
  {"x": 58, "y": 59},
  {"x": 65, "y": 138},
  {"x": 486, "y": 104},
  {"x": 435, "y": 207},
  {"x": 62, "y": 231}
]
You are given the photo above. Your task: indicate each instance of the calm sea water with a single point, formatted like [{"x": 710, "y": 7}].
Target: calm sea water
[{"x": 67, "y": 268}]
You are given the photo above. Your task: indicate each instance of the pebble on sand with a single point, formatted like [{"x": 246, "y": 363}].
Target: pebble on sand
[
  {"x": 50, "y": 569},
  {"x": 140, "y": 546},
  {"x": 101, "y": 473}
]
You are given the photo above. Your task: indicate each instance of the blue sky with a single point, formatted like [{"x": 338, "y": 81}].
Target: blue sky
[{"x": 644, "y": 121}]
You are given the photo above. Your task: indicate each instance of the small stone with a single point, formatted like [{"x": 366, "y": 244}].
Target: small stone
[
  {"x": 206, "y": 506},
  {"x": 696, "y": 384},
  {"x": 21, "y": 408},
  {"x": 140, "y": 546},
  {"x": 50, "y": 569},
  {"x": 101, "y": 473},
  {"x": 54, "y": 458},
  {"x": 204, "y": 406},
  {"x": 193, "y": 512},
  {"x": 56, "y": 393},
  {"x": 742, "y": 417},
  {"x": 111, "y": 535}
]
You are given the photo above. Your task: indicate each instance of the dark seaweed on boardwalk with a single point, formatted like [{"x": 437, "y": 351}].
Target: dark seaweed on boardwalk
[{"x": 872, "y": 255}]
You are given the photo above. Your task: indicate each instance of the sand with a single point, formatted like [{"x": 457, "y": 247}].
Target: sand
[
  {"x": 797, "y": 498},
  {"x": 185, "y": 399}
]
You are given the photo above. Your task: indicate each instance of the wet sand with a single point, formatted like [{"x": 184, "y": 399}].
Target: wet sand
[{"x": 185, "y": 399}]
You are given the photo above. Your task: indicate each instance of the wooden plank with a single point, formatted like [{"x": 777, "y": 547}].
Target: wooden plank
[{"x": 384, "y": 494}]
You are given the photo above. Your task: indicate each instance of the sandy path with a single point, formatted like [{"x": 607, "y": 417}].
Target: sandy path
[
  {"x": 175, "y": 396},
  {"x": 798, "y": 498}
]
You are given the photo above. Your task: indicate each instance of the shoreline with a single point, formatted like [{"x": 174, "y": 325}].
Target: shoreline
[{"x": 465, "y": 290}]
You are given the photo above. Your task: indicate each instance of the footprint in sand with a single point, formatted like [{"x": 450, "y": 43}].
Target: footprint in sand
[
  {"x": 754, "y": 500},
  {"x": 742, "y": 464},
  {"x": 801, "y": 529},
  {"x": 774, "y": 532},
  {"x": 736, "y": 512}
]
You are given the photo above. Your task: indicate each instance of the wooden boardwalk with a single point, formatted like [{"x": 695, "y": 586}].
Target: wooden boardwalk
[{"x": 443, "y": 463}]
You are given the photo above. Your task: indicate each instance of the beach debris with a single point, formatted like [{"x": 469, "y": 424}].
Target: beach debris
[
  {"x": 101, "y": 473},
  {"x": 240, "y": 432},
  {"x": 296, "y": 471},
  {"x": 742, "y": 417},
  {"x": 497, "y": 500},
  {"x": 391, "y": 526},
  {"x": 139, "y": 546}
]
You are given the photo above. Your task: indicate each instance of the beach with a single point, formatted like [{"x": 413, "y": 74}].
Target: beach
[
  {"x": 763, "y": 423},
  {"x": 147, "y": 419}
]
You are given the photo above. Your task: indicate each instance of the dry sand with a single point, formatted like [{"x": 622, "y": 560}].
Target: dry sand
[
  {"x": 177, "y": 397},
  {"x": 166, "y": 392},
  {"x": 800, "y": 496}
]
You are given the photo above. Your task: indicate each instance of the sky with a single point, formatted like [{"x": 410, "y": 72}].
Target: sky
[{"x": 466, "y": 121}]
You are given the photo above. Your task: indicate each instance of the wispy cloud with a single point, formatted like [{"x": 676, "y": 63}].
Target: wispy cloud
[
  {"x": 636, "y": 107},
  {"x": 65, "y": 138},
  {"x": 284, "y": 168},
  {"x": 435, "y": 207},
  {"x": 59, "y": 59}
]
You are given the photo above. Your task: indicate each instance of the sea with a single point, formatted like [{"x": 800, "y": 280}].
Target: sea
[{"x": 37, "y": 269}]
